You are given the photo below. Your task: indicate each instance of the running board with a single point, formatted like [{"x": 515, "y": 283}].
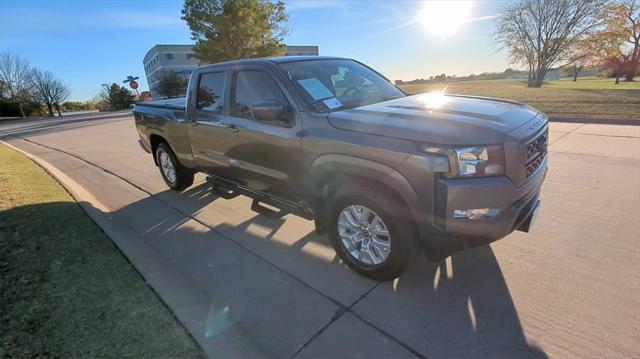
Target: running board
[
  {"x": 228, "y": 190},
  {"x": 224, "y": 192},
  {"x": 267, "y": 212}
]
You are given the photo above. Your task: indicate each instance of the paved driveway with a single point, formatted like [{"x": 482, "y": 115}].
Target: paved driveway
[{"x": 245, "y": 285}]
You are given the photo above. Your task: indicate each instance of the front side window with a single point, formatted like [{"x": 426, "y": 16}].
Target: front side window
[
  {"x": 253, "y": 87},
  {"x": 334, "y": 85},
  {"x": 210, "y": 92}
]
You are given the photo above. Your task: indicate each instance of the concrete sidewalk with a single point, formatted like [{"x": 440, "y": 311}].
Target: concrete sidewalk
[{"x": 246, "y": 285}]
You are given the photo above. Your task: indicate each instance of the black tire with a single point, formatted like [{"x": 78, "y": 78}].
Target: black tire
[
  {"x": 398, "y": 225},
  {"x": 183, "y": 176}
]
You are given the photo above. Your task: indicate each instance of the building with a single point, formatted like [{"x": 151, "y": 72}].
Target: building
[
  {"x": 162, "y": 60},
  {"x": 302, "y": 51}
]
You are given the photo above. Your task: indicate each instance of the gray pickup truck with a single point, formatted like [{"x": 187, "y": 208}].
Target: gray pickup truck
[{"x": 331, "y": 140}]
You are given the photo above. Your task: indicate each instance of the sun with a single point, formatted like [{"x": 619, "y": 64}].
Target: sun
[{"x": 444, "y": 18}]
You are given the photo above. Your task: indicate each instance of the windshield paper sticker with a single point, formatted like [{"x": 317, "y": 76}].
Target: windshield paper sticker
[
  {"x": 315, "y": 88},
  {"x": 332, "y": 103}
]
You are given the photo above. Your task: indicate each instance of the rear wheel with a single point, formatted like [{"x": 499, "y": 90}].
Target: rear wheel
[
  {"x": 176, "y": 176},
  {"x": 368, "y": 238}
]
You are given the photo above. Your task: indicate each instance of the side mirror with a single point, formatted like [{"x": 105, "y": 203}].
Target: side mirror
[{"x": 268, "y": 111}]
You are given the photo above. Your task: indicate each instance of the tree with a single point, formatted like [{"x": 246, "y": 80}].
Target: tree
[
  {"x": 577, "y": 65},
  {"x": 235, "y": 29},
  {"x": 100, "y": 102},
  {"x": 617, "y": 46},
  {"x": 15, "y": 75},
  {"x": 59, "y": 94},
  {"x": 172, "y": 85},
  {"x": 578, "y": 59},
  {"x": 118, "y": 97},
  {"x": 542, "y": 33},
  {"x": 43, "y": 83}
]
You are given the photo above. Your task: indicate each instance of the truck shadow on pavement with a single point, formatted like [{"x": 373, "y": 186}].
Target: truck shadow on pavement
[
  {"x": 260, "y": 287},
  {"x": 460, "y": 307}
]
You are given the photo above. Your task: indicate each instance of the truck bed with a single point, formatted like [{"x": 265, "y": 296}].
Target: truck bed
[{"x": 178, "y": 103}]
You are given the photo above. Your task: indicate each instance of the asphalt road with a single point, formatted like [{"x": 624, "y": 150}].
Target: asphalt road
[{"x": 245, "y": 285}]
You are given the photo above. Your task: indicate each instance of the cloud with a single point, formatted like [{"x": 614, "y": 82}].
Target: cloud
[
  {"x": 401, "y": 25},
  {"x": 482, "y": 18}
]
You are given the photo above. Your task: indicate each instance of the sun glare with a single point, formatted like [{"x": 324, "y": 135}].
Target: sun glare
[
  {"x": 444, "y": 18},
  {"x": 434, "y": 100}
]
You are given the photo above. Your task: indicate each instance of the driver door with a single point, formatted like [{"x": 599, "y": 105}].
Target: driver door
[{"x": 264, "y": 156}]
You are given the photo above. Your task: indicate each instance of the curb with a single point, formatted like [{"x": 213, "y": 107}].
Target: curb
[
  {"x": 65, "y": 118},
  {"x": 600, "y": 121}
]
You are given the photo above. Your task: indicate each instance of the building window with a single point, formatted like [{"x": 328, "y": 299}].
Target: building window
[
  {"x": 189, "y": 56},
  {"x": 169, "y": 56}
]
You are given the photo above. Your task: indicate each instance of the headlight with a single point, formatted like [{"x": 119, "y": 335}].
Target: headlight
[{"x": 478, "y": 161}]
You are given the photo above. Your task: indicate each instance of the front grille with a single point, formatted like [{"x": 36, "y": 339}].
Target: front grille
[{"x": 536, "y": 152}]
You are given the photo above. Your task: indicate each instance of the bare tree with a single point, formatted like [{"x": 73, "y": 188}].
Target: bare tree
[
  {"x": 15, "y": 75},
  {"x": 541, "y": 33},
  {"x": 59, "y": 94},
  {"x": 43, "y": 82}
]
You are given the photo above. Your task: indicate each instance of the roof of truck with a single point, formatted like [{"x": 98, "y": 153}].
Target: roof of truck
[{"x": 277, "y": 60}]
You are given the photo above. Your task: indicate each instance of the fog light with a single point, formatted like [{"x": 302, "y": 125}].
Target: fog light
[{"x": 476, "y": 213}]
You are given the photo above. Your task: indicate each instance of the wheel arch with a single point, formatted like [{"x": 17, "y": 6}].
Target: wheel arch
[
  {"x": 154, "y": 140},
  {"x": 334, "y": 173}
]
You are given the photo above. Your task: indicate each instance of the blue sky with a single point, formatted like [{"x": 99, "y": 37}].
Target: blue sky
[{"x": 87, "y": 43}]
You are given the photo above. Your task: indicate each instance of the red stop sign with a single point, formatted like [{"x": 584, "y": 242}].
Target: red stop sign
[{"x": 133, "y": 84}]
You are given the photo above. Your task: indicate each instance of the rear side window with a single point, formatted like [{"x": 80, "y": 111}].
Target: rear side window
[
  {"x": 253, "y": 87},
  {"x": 210, "y": 92}
]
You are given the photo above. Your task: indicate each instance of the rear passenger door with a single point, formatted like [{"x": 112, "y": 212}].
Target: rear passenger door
[
  {"x": 263, "y": 155},
  {"x": 205, "y": 127}
]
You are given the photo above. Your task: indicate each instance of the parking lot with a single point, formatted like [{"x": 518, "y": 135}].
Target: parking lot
[{"x": 245, "y": 285}]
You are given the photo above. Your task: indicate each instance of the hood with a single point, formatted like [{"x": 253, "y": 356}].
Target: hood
[{"x": 438, "y": 119}]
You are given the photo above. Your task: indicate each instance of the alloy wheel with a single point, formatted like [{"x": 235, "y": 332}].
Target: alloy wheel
[{"x": 364, "y": 235}]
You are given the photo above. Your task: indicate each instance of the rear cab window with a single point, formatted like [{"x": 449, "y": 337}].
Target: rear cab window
[{"x": 210, "y": 96}]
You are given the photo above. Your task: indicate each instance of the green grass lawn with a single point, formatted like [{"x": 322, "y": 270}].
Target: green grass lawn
[
  {"x": 589, "y": 97},
  {"x": 65, "y": 289}
]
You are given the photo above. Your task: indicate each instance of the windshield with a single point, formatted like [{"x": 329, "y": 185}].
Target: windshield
[{"x": 333, "y": 85}]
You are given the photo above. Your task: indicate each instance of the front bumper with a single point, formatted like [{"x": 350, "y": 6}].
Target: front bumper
[{"x": 515, "y": 203}]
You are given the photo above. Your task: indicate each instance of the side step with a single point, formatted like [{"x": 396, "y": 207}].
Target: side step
[
  {"x": 267, "y": 212},
  {"x": 228, "y": 190},
  {"x": 224, "y": 192}
]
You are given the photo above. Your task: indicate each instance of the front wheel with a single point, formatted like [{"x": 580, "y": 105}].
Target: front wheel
[
  {"x": 369, "y": 239},
  {"x": 176, "y": 176}
]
